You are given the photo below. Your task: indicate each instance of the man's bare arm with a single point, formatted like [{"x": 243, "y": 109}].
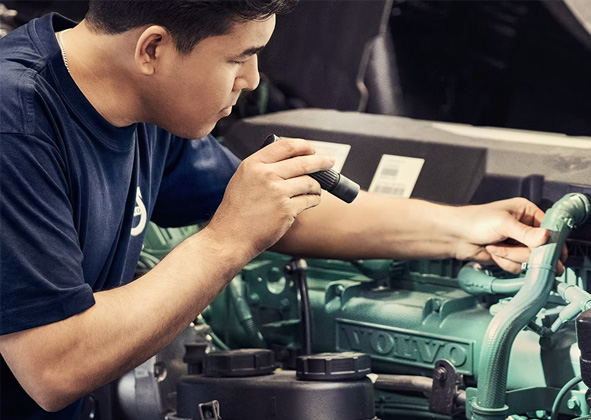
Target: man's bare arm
[
  {"x": 378, "y": 226},
  {"x": 61, "y": 362}
]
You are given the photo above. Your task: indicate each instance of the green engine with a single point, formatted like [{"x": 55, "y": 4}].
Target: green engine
[
  {"x": 447, "y": 339},
  {"x": 410, "y": 317}
]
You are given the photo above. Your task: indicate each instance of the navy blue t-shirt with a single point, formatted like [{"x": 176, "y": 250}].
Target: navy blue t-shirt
[{"x": 76, "y": 193}]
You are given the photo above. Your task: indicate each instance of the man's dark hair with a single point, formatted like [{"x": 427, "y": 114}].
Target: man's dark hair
[{"x": 188, "y": 21}]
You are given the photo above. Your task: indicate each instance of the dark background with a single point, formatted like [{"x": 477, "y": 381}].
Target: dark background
[{"x": 490, "y": 63}]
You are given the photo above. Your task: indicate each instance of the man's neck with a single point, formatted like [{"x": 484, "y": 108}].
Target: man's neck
[{"x": 97, "y": 66}]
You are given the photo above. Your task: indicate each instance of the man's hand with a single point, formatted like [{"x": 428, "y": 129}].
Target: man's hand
[
  {"x": 378, "y": 226},
  {"x": 269, "y": 190},
  {"x": 502, "y": 232}
]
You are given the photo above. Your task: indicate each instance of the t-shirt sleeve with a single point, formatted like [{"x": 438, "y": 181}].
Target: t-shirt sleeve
[
  {"x": 195, "y": 179},
  {"x": 41, "y": 278}
]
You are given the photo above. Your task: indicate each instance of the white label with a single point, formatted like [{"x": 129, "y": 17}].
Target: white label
[
  {"x": 396, "y": 175},
  {"x": 337, "y": 150}
]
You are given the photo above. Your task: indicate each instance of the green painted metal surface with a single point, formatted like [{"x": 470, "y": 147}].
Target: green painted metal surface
[
  {"x": 405, "y": 314},
  {"x": 406, "y": 322}
]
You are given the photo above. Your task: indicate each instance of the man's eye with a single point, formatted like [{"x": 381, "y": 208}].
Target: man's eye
[{"x": 238, "y": 62}]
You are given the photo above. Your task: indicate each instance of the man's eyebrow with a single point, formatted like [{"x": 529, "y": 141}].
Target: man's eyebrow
[{"x": 251, "y": 51}]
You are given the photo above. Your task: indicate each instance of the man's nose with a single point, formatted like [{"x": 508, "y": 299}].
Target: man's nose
[{"x": 249, "y": 78}]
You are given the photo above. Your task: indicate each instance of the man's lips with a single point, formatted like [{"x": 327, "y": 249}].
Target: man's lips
[{"x": 229, "y": 108}]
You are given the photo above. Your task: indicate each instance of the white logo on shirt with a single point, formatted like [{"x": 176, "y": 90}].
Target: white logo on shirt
[{"x": 139, "y": 212}]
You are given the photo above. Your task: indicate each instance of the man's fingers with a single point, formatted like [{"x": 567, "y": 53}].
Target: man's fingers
[
  {"x": 533, "y": 216},
  {"x": 526, "y": 211},
  {"x": 284, "y": 149},
  {"x": 293, "y": 157},
  {"x": 530, "y": 236},
  {"x": 559, "y": 268},
  {"x": 511, "y": 257},
  {"x": 507, "y": 265},
  {"x": 304, "y": 202},
  {"x": 564, "y": 253},
  {"x": 301, "y": 185},
  {"x": 302, "y": 165},
  {"x": 516, "y": 253}
]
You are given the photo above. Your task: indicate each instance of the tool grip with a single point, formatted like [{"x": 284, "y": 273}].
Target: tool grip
[{"x": 329, "y": 180}]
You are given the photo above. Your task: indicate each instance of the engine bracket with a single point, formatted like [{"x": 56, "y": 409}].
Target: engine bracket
[{"x": 445, "y": 385}]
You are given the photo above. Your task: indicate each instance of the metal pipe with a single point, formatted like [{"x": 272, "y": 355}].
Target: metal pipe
[
  {"x": 562, "y": 394},
  {"x": 578, "y": 301},
  {"x": 476, "y": 281},
  {"x": 574, "y": 294},
  {"x": 569, "y": 211},
  {"x": 404, "y": 383},
  {"x": 410, "y": 383},
  {"x": 244, "y": 314},
  {"x": 297, "y": 268}
]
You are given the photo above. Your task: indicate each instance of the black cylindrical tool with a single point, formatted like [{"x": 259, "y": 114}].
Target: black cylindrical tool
[{"x": 338, "y": 185}]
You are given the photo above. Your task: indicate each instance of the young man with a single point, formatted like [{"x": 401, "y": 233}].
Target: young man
[{"x": 93, "y": 143}]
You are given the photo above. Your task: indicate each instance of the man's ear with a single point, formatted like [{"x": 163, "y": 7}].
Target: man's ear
[{"x": 151, "y": 44}]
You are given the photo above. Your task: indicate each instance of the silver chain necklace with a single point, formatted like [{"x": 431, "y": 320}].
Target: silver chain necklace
[{"x": 61, "y": 44}]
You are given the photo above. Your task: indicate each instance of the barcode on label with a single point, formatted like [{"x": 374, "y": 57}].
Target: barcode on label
[
  {"x": 386, "y": 189},
  {"x": 390, "y": 171},
  {"x": 396, "y": 175}
]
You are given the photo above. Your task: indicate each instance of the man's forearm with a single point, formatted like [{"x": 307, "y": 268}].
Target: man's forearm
[
  {"x": 61, "y": 362},
  {"x": 58, "y": 363},
  {"x": 373, "y": 226}
]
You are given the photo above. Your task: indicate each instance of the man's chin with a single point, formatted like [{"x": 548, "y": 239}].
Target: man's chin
[{"x": 194, "y": 133}]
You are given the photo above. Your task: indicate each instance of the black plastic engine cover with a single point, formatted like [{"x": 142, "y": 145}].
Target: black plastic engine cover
[{"x": 279, "y": 396}]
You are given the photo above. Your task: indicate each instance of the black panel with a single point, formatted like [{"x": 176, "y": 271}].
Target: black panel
[{"x": 279, "y": 396}]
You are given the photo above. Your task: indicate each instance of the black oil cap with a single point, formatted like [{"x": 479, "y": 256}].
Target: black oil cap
[
  {"x": 194, "y": 354},
  {"x": 333, "y": 366},
  {"x": 238, "y": 363}
]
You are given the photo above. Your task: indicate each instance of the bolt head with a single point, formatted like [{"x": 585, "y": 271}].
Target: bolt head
[
  {"x": 440, "y": 374},
  {"x": 572, "y": 403},
  {"x": 285, "y": 304}
]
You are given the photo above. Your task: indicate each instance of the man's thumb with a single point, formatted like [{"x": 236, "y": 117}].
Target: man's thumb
[{"x": 530, "y": 236}]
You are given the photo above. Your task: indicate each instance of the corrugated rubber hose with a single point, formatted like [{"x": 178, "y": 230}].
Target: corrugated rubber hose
[{"x": 571, "y": 210}]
